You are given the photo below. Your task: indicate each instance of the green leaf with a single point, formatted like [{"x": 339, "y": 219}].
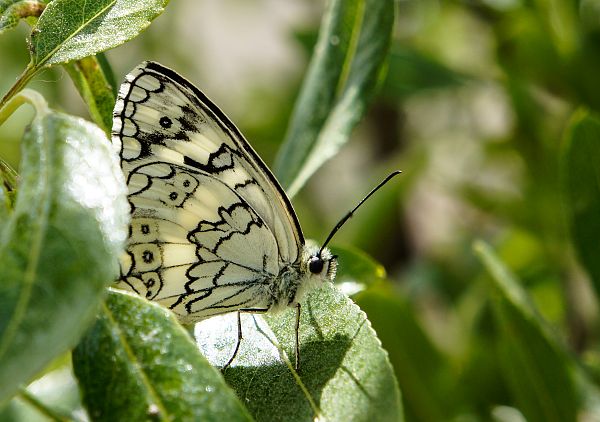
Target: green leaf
[
  {"x": 344, "y": 373},
  {"x": 12, "y": 11},
  {"x": 356, "y": 269},
  {"x": 138, "y": 363},
  {"x": 42, "y": 408},
  {"x": 60, "y": 247},
  {"x": 411, "y": 72},
  {"x": 580, "y": 158},
  {"x": 536, "y": 367},
  {"x": 423, "y": 373},
  {"x": 73, "y": 29},
  {"x": 8, "y": 185},
  {"x": 93, "y": 81},
  {"x": 53, "y": 396},
  {"x": 344, "y": 71}
]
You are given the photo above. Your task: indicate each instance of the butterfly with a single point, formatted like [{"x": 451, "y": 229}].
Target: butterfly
[{"x": 211, "y": 231}]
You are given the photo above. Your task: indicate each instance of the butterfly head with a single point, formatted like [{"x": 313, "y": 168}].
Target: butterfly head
[{"x": 321, "y": 264}]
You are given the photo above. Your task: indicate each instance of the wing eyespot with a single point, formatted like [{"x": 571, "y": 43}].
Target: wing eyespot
[
  {"x": 165, "y": 122},
  {"x": 147, "y": 256}
]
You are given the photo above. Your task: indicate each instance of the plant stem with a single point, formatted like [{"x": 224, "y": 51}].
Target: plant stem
[
  {"x": 25, "y": 77},
  {"x": 30, "y": 96}
]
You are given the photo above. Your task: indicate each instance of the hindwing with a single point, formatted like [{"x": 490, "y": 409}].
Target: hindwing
[{"x": 211, "y": 227}]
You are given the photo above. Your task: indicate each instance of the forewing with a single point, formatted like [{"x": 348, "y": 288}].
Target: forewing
[
  {"x": 160, "y": 115},
  {"x": 210, "y": 227}
]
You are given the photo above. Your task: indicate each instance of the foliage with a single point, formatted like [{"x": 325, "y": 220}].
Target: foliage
[
  {"x": 489, "y": 307},
  {"x": 62, "y": 237}
]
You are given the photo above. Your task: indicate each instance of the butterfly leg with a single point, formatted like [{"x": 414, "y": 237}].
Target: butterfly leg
[
  {"x": 239, "y": 324},
  {"x": 239, "y": 341}
]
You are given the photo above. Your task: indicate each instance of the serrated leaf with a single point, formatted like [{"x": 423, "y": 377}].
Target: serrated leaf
[
  {"x": 423, "y": 373},
  {"x": 536, "y": 367},
  {"x": 138, "y": 363},
  {"x": 12, "y": 11},
  {"x": 580, "y": 158},
  {"x": 347, "y": 63},
  {"x": 60, "y": 247},
  {"x": 73, "y": 29},
  {"x": 344, "y": 373},
  {"x": 93, "y": 81}
]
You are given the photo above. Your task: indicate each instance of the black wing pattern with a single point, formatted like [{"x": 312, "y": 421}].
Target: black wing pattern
[{"x": 211, "y": 228}]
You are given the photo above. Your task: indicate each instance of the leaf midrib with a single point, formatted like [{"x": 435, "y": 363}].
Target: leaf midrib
[
  {"x": 136, "y": 364},
  {"x": 285, "y": 358},
  {"x": 352, "y": 48},
  {"x": 77, "y": 31}
]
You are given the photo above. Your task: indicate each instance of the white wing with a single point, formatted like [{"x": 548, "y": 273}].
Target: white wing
[{"x": 211, "y": 228}]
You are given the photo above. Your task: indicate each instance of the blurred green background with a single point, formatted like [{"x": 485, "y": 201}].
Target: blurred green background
[{"x": 473, "y": 110}]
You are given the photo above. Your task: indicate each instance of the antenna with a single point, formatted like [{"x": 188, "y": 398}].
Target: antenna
[{"x": 351, "y": 213}]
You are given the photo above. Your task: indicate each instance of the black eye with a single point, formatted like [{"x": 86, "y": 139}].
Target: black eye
[{"x": 315, "y": 265}]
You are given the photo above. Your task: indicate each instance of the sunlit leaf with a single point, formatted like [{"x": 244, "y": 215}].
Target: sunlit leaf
[
  {"x": 73, "y": 29},
  {"x": 61, "y": 244},
  {"x": 346, "y": 66},
  {"x": 344, "y": 373},
  {"x": 138, "y": 363}
]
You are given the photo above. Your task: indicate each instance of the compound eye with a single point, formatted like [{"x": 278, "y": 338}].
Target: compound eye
[{"x": 315, "y": 265}]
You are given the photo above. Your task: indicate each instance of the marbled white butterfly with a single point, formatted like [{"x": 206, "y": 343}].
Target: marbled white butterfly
[{"x": 212, "y": 231}]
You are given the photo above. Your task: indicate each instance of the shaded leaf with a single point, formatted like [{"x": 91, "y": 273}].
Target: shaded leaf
[
  {"x": 93, "y": 81},
  {"x": 580, "y": 160},
  {"x": 12, "y": 11},
  {"x": 536, "y": 367},
  {"x": 60, "y": 246},
  {"x": 411, "y": 72},
  {"x": 344, "y": 71},
  {"x": 8, "y": 185},
  {"x": 73, "y": 29},
  {"x": 138, "y": 363},
  {"x": 344, "y": 373}
]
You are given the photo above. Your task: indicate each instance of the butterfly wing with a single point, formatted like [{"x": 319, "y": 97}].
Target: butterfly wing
[{"x": 211, "y": 227}]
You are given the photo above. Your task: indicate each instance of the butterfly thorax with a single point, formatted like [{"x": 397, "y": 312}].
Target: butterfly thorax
[{"x": 284, "y": 288}]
